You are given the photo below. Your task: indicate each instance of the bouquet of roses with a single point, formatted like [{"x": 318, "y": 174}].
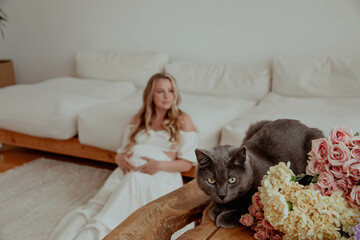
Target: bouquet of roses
[
  {"x": 335, "y": 162},
  {"x": 322, "y": 204},
  {"x": 301, "y": 212}
]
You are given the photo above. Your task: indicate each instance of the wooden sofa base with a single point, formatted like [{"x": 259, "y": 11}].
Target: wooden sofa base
[{"x": 71, "y": 147}]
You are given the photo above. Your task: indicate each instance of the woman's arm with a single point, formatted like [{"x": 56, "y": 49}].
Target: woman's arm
[
  {"x": 122, "y": 158},
  {"x": 153, "y": 166},
  {"x": 178, "y": 165}
]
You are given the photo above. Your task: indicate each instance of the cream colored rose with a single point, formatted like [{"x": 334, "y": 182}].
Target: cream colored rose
[
  {"x": 313, "y": 216},
  {"x": 280, "y": 175},
  {"x": 276, "y": 210}
]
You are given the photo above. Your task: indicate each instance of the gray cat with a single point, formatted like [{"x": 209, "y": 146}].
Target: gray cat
[{"x": 231, "y": 175}]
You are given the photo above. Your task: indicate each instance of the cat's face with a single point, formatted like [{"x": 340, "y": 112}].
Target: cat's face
[{"x": 223, "y": 173}]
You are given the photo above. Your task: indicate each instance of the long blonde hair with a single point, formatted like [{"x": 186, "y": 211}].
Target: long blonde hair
[{"x": 171, "y": 124}]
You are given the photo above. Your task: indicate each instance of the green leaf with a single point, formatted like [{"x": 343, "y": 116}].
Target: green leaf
[
  {"x": 293, "y": 178},
  {"x": 344, "y": 234},
  {"x": 314, "y": 179},
  {"x": 289, "y": 205},
  {"x": 305, "y": 179}
]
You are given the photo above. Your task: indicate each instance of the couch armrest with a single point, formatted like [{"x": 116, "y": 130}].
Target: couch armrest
[{"x": 160, "y": 218}]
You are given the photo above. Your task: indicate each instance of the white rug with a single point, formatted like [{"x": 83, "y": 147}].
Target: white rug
[{"x": 35, "y": 196}]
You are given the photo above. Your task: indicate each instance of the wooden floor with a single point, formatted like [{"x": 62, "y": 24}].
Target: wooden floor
[{"x": 11, "y": 157}]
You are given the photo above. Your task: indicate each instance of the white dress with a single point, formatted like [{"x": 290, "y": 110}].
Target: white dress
[{"x": 123, "y": 194}]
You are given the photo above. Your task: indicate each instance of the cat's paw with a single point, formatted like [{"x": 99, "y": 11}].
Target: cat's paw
[
  {"x": 213, "y": 213},
  {"x": 227, "y": 220}
]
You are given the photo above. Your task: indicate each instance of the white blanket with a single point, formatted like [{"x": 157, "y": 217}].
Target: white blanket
[{"x": 49, "y": 109}]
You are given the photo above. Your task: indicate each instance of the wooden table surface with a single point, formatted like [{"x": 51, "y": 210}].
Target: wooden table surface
[
  {"x": 163, "y": 216},
  {"x": 207, "y": 230}
]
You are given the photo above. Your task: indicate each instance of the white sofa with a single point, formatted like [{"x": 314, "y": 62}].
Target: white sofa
[{"x": 86, "y": 115}]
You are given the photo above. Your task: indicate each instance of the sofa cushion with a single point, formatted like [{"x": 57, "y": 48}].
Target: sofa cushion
[
  {"x": 49, "y": 109},
  {"x": 210, "y": 114},
  {"x": 316, "y": 77},
  {"x": 103, "y": 125},
  {"x": 322, "y": 113},
  {"x": 135, "y": 67},
  {"x": 246, "y": 82}
]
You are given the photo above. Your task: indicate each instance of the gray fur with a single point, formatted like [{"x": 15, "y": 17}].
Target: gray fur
[{"x": 266, "y": 144}]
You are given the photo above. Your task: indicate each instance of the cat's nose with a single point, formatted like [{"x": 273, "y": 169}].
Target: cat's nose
[{"x": 221, "y": 196}]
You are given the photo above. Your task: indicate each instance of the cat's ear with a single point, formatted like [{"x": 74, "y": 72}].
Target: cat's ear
[
  {"x": 239, "y": 157},
  {"x": 202, "y": 157}
]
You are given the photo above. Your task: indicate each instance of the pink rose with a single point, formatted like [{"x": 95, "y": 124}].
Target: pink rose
[
  {"x": 339, "y": 154},
  {"x": 327, "y": 191},
  {"x": 252, "y": 210},
  {"x": 247, "y": 220},
  {"x": 259, "y": 227},
  {"x": 341, "y": 134},
  {"x": 354, "y": 170},
  {"x": 260, "y": 235},
  {"x": 276, "y": 237},
  {"x": 355, "y": 152},
  {"x": 348, "y": 163},
  {"x": 320, "y": 148},
  {"x": 341, "y": 185},
  {"x": 259, "y": 215},
  {"x": 352, "y": 181},
  {"x": 256, "y": 201},
  {"x": 270, "y": 233},
  {"x": 355, "y": 196},
  {"x": 267, "y": 225},
  {"x": 355, "y": 141},
  {"x": 314, "y": 167},
  {"x": 337, "y": 171},
  {"x": 253, "y": 227},
  {"x": 317, "y": 187},
  {"x": 325, "y": 180}
]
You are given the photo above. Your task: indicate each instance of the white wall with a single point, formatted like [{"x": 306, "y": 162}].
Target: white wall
[{"x": 43, "y": 35}]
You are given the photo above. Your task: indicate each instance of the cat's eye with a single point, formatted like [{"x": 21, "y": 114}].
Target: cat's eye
[
  {"x": 232, "y": 180},
  {"x": 211, "y": 180}
]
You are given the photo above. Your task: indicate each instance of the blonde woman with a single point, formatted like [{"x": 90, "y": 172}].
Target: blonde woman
[{"x": 158, "y": 144}]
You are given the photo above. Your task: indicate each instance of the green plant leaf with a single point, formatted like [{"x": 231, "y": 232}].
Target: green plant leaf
[
  {"x": 314, "y": 179},
  {"x": 305, "y": 179},
  {"x": 344, "y": 234},
  {"x": 289, "y": 205}
]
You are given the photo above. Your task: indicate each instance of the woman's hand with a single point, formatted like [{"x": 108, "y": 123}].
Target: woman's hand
[
  {"x": 151, "y": 167},
  {"x": 122, "y": 160}
]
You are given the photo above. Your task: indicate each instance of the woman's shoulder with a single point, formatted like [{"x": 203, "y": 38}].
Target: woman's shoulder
[
  {"x": 135, "y": 119},
  {"x": 186, "y": 123}
]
